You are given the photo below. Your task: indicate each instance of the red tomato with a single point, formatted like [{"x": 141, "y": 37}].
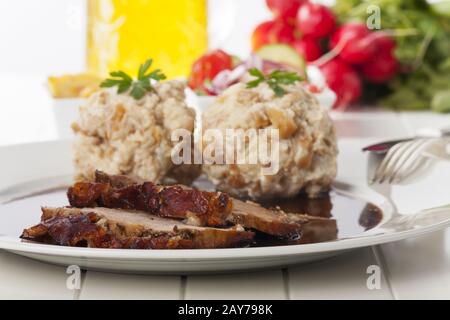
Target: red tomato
[
  {"x": 274, "y": 31},
  {"x": 284, "y": 9},
  {"x": 308, "y": 48},
  {"x": 313, "y": 88},
  {"x": 381, "y": 69},
  {"x": 359, "y": 44},
  {"x": 343, "y": 80},
  {"x": 315, "y": 20},
  {"x": 207, "y": 67}
]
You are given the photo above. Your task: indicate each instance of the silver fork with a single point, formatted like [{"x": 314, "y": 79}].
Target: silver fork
[
  {"x": 397, "y": 221},
  {"x": 400, "y": 162},
  {"x": 402, "y": 221}
]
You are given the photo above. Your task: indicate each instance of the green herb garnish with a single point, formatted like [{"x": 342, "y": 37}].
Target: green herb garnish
[
  {"x": 274, "y": 80},
  {"x": 138, "y": 87}
]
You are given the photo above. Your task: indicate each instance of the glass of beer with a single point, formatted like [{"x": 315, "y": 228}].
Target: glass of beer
[{"x": 124, "y": 33}]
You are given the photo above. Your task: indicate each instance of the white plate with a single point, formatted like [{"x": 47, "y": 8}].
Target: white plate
[{"x": 26, "y": 167}]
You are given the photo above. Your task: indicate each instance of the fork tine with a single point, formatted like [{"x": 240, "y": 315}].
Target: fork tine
[
  {"x": 408, "y": 154},
  {"x": 409, "y": 164},
  {"x": 408, "y": 171},
  {"x": 397, "y": 155},
  {"x": 400, "y": 161},
  {"x": 390, "y": 159},
  {"x": 381, "y": 167}
]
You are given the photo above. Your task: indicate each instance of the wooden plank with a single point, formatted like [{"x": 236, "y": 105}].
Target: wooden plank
[
  {"x": 255, "y": 285},
  {"x": 102, "y": 285},
  {"x": 23, "y": 278},
  {"x": 419, "y": 268},
  {"x": 341, "y": 277}
]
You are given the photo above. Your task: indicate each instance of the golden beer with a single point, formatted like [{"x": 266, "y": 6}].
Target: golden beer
[{"x": 124, "y": 33}]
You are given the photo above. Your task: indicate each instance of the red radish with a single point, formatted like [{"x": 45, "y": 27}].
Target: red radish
[
  {"x": 315, "y": 20},
  {"x": 343, "y": 80},
  {"x": 284, "y": 9},
  {"x": 283, "y": 33},
  {"x": 381, "y": 69},
  {"x": 358, "y": 43},
  {"x": 207, "y": 67},
  {"x": 263, "y": 34},
  {"x": 308, "y": 48},
  {"x": 383, "y": 41},
  {"x": 385, "y": 66}
]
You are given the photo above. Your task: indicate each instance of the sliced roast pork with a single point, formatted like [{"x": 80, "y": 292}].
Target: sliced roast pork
[
  {"x": 196, "y": 207},
  {"x": 278, "y": 223},
  {"x": 127, "y": 229}
]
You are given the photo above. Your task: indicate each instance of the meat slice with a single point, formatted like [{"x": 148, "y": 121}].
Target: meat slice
[
  {"x": 197, "y": 207},
  {"x": 200, "y": 208},
  {"x": 278, "y": 223},
  {"x": 126, "y": 229}
]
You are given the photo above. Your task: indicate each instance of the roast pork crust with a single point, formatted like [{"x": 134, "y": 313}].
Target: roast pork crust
[
  {"x": 122, "y": 229},
  {"x": 197, "y": 207}
]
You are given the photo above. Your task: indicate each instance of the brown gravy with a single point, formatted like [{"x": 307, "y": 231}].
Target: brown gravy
[{"x": 353, "y": 216}]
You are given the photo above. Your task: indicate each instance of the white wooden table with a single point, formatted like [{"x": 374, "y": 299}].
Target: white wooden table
[{"x": 415, "y": 268}]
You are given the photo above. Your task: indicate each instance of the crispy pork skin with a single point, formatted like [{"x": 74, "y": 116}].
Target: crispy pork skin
[
  {"x": 197, "y": 207},
  {"x": 200, "y": 208},
  {"x": 127, "y": 229}
]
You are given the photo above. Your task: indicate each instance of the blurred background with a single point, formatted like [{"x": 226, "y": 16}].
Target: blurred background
[
  {"x": 49, "y": 36},
  {"x": 401, "y": 62}
]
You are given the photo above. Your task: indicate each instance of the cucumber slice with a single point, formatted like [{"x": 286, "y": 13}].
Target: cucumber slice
[
  {"x": 235, "y": 60},
  {"x": 282, "y": 53}
]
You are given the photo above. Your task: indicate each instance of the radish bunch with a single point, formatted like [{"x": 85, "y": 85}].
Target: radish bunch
[{"x": 347, "y": 54}]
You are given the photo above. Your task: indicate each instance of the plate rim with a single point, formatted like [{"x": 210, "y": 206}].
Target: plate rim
[
  {"x": 363, "y": 240},
  {"x": 185, "y": 255}
]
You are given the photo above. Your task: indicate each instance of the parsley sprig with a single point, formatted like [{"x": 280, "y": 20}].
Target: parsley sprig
[
  {"x": 275, "y": 79},
  {"x": 139, "y": 86}
]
